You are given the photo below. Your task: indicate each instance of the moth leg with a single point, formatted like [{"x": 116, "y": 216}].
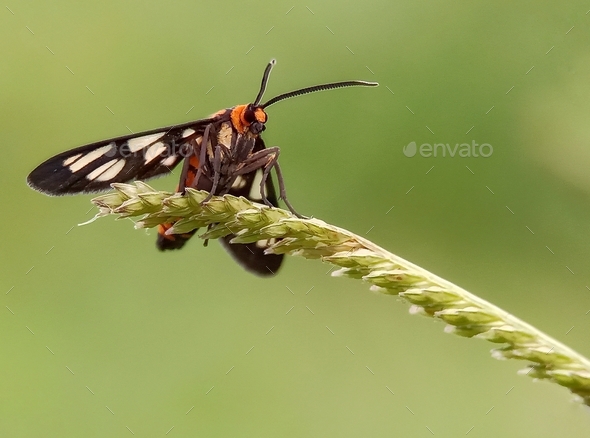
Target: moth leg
[
  {"x": 185, "y": 168},
  {"x": 267, "y": 159},
  {"x": 216, "y": 172},
  {"x": 255, "y": 161},
  {"x": 274, "y": 162},
  {"x": 203, "y": 153},
  {"x": 273, "y": 156},
  {"x": 283, "y": 192}
]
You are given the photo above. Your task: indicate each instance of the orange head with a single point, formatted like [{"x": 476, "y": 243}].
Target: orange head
[{"x": 249, "y": 118}]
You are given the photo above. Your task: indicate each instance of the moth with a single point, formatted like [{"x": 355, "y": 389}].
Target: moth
[{"x": 221, "y": 154}]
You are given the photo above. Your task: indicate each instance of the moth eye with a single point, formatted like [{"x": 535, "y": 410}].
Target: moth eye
[{"x": 249, "y": 116}]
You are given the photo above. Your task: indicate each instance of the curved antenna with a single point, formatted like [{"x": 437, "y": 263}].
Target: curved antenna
[
  {"x": 318, "y": 88},
  {"x": 265, "y": 76}
]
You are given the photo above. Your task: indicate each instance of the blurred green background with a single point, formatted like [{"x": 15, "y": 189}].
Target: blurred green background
[{"x": 147, "y": 335}]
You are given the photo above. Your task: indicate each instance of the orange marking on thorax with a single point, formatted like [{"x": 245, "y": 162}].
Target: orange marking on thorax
[{"x": 237, "y": 118}]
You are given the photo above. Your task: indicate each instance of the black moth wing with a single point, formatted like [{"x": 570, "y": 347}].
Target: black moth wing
[
  {"x": 251, "y": 255},
  {"x": 93, "y": 167}
]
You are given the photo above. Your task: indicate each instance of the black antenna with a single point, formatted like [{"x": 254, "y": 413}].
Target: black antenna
[
  {"x": 265, "y": 76},
  {"x": 314, "y": 89}
]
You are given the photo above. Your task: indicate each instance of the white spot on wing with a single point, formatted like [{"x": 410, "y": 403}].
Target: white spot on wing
[
  {"x": 188, "y": 132},
  {"x": 169, "y": 161},
  {"x": 70, "y": 160},
  {"x": 239, "y": 183},
  {"x": 107, "y": 171},
  {"x": 154, "y": 151},
  {"x": 90, "y": 157},
  {"x": 255, "y": 188},
  {"x": 138, "y": 143}
]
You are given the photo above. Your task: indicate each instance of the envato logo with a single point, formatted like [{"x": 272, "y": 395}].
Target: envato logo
[
  {"x": 463, "y": 150},
  {"x": 149, "y": 147}
]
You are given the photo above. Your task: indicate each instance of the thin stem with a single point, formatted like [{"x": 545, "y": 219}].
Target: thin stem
[{"x": 464, "y": 313}]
